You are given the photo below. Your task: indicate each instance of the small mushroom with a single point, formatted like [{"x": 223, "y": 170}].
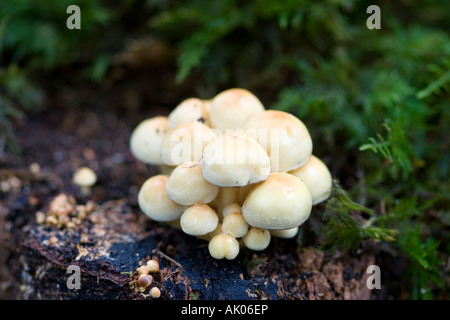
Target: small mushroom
[
  {"x": 257, "y": 239},
  {"x": 199, "y": 220},
  {"x": 146, "y": 140},
  {"x": 317, "y": 177},
  {"x": 285, "y": 138},
  {"x": 231, "y": 208},
  {"x": 234, "y": 224},
  {"x": 235, "y": 159},
  {"x": 191, "y": 109},
  {"x": 154, "y": 202},
  {"x": 232, "y": 108},
  {"x": 186, "y": 185},
  {"x": 85, "y": 178},
  {"x": 152, "y": 266},
  {"x": 223, "y": 246},
  {"x": 281, "y": 202},
  {"x": 155, "y": 293},
  {"x": 142, "y": 270},
  {"x": 186, "y": 143},
  {"x": 145, "y": 280}
]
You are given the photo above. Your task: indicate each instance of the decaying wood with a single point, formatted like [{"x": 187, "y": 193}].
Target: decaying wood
[{"x": 114, "y": 239}]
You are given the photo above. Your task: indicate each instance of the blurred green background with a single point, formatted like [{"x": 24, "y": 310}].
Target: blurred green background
[{"x": 377, "y": 102}]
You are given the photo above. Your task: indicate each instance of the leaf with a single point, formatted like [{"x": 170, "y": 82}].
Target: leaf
[{"x": 434, "y": 87}]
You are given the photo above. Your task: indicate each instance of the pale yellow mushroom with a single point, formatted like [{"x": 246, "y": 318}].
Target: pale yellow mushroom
[
  {"x": 281, "y": 202},
  {"x": 146, "y": 140},
  {"x": 230, "y": 208},
  {"x": 186, "y": 143},
  {"x": 223, "y": 246},
  {"x": 317, "y": 177},
  {"x": 257, "y": 239},
  {"x": 285, "y": 234},
  {"x": 198, "y": 220},
  {"x": 232, "y": 108},
  {"x": 154, "y": 202},
  {"x": 85, "y": 178},
  {"x": 191, "y": 109},
  {"x": 234, "y": 224},
  {"x": 235, "y": 159},
  {"x": 285, "y": 138},
  {"x": 186, "y": 185}
]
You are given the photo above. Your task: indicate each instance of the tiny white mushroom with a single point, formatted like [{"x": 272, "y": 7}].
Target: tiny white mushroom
[
  {"x": 198, "y": 220},
  {"x": 223, "y": 246},
  {"x": 146, "y": 140},
  {"x": 317, "y": 177},
  {"x": 85, "y": 178},
  {"x": 257, "y": 239},
  {"x": 154, "y": 202}
]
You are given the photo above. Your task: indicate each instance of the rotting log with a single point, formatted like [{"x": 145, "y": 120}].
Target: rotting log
[{"x": 116, "y": 238}]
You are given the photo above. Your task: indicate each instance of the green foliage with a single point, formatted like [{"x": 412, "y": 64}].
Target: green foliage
[
  {"x": 17, "y": 95},
  {"x": 346, "y": 227},
  {"x": 34, "y": 41},
  {"x": 34, "y": 33}
]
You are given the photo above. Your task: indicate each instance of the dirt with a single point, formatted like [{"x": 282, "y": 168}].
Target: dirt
[{"x": 91, "y": 126}]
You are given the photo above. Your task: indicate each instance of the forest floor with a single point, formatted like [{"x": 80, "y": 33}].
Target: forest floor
[{"x": 87, "y": 126}]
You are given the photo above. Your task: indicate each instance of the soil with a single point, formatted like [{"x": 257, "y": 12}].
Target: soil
[{"x": 87, "y": 125}]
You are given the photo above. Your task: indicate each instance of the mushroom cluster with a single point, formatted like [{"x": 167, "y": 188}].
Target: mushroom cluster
[{"x": 231, "y": 172}]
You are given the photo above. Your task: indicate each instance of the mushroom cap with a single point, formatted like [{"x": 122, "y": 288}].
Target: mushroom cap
[
  {"x": 232, "y": 108},
  {"x": 84, "y": 177},
  {"x": 186, "y": 143},
  {"x": 285, "y": 138},
  {"x": 186, "y": 185},
  {"x": 234, "y": 224},
  {"x": 199, "y": 219},
  {"x": 191, "y": 109},
  {"x": 230, "y": 208},
  {"x": 154, "y": 202},
  {"x": 146, "y": 139},
  {"x": 285, "y": 234},
  {"x": 155, "y": 292},
  {"x": 235, "y": 159},
  {"x": 223, "y": 246},
  {"x": 317, "y": 177},
  {"x": 257, "y": 239},
  {"x": 281, "y": 202}
]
